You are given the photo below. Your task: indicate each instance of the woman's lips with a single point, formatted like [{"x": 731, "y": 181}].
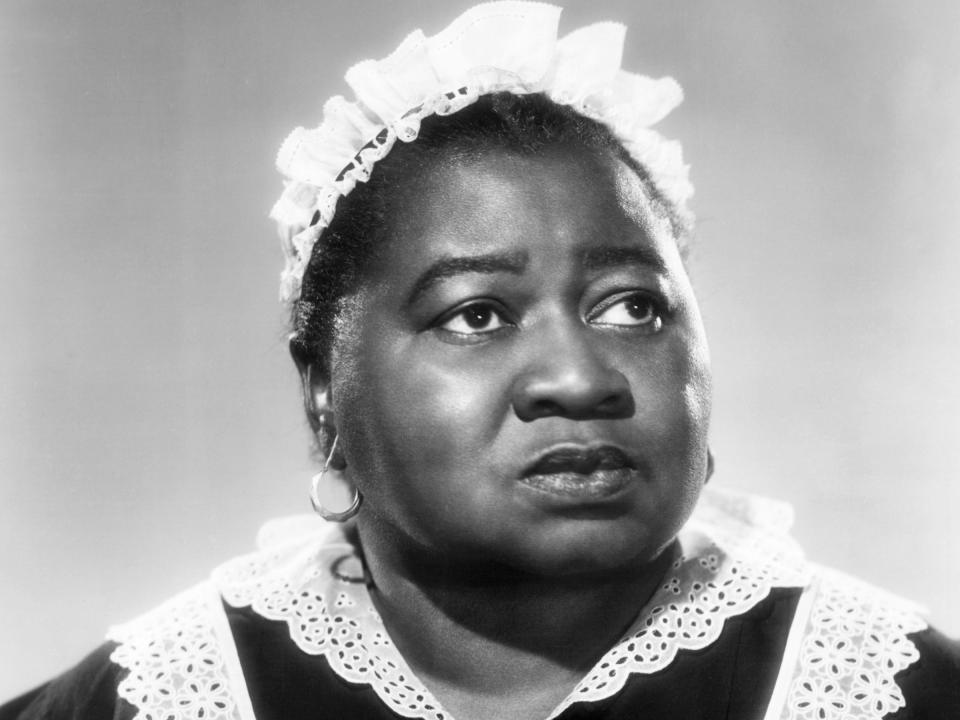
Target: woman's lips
[{"x": 581, "y": 473}]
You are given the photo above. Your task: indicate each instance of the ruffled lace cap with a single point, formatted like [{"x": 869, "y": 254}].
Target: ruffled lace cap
[
  {"x": 733, "y": 551},
  {"x": 492, "y": 47}
]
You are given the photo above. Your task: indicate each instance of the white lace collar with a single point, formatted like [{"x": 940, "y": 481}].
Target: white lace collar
[
  {"x": 847, "y": 642},
  {"x": 733, "y": 551}
]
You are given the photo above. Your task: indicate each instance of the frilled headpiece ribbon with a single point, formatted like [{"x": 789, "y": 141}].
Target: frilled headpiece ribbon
[{"x": 492, "y": 47}]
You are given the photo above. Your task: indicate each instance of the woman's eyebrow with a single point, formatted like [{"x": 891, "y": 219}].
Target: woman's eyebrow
[
  {"x": 508, "y": 262},
  {"x": 606, "y": 257}
]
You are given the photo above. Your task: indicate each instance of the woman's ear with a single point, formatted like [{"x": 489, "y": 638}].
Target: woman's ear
[{"x": 316, "y": 390}]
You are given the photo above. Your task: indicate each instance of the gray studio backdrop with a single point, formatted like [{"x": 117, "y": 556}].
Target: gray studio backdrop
[{"x": 149, "y": 416}]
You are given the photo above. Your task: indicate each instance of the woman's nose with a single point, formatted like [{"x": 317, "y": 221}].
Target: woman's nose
[{"x": 569, "y": 377}]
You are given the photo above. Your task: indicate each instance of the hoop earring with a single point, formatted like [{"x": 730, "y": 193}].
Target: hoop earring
[{"x": 318, "y": 507}]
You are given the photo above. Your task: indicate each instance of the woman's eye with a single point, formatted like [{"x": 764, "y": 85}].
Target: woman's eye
[
  {"x": 630, "y": 311},
  {"x": 475, "y": 319}
]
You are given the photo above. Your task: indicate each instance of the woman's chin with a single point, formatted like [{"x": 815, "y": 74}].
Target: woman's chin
[{"x": 586, "y": 547}]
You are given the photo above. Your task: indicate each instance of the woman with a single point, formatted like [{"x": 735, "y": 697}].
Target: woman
[{"x": 503, "y": 362}]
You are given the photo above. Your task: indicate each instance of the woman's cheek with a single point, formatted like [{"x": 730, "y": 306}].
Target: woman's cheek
[
  {"x": 404, "y": 407},
  {"x": 445, "y": 409}
]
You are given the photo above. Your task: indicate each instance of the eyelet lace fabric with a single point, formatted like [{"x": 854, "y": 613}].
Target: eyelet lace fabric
[
  {"x": 304, "y": 586},
  {"x": 732, "y": 552},
  {"x": 854, "y": 644},
  {"x": 177, "y": 667}
]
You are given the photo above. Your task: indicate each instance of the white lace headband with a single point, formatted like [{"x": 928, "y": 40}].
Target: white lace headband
[{"x": 493, "y": 47}]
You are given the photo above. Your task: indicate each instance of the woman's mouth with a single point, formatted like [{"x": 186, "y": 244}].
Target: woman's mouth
[{"x": 581, "y": 473}]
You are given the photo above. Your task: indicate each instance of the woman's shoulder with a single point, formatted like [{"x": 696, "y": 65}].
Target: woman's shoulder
[
  {"x": 931, "y": 686},
  {"x": 180, "y": 654},
  {"x": 88, "y": 691},
  {"x": 175, "y": 661}
]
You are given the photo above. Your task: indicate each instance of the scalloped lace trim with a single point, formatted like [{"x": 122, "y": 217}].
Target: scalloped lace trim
[
  {"x": 733, "y": 552},
  {"x": 327, "y": 615}
]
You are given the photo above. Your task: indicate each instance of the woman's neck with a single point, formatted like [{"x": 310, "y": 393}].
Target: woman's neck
[{"x": 480, "y": 631}]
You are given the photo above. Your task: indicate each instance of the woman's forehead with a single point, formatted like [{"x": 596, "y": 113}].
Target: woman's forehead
[{"x": 576, "y": 201}]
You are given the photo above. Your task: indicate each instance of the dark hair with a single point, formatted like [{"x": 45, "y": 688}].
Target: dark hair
[{"x": 522, "y": 124}]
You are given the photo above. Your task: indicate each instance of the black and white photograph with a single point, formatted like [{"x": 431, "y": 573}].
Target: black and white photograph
[{"x": 449, "y": 361}]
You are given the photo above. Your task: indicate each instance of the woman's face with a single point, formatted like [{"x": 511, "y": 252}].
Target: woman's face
[{"x": 524, "y": 377}]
